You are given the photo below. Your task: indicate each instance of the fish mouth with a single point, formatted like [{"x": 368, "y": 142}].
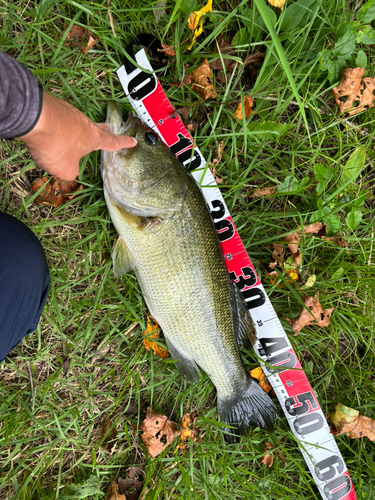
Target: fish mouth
[{"x": 115, "y": 120}]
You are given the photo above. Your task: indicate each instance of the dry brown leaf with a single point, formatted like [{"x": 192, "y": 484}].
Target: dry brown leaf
[
  {"x": 167, "y": 50},
  {"x": 151, "y": 327},
  {"x": 223, "y": 47},
  {"x": 248, "y": 107},
  {"x": 215, "y": 161},
  {"x": 90, "y": 43},
  {"x": 196, "y": 19},
  {"x": 258, "y": 373},
  {"x": 217, "y": 177},
  {"x": 133, "y": 484},
  {"x": 267, "y": 460},
  {"x": 189, "y": 431},
  {"x": 277, "y": 3},
  {"x": 313, "y": 315},
  {"x": 65, "y": 367},
  {"x": 108, "y": 432},
  {"x": 202, "y": 81},
  {"x": 345, "y": 420},
  {"x": 258, "y": 193},
  {"x": 354, "y": 94},
  {"x": 56, "y": 192},
  {"x": 157, "y": 432},
  {"x": 77, "y": 36},
  {"x": 113, "y": 492},
  {"x": 293, "y": 241},
  {"x": 338, "y": 241}
]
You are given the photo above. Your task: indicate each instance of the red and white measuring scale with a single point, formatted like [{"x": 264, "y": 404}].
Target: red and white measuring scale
[{"x": 280, "y": 363}]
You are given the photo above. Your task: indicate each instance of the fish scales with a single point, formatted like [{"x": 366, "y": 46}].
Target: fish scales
[
  {"x": 167, "y": 237},
  {"x": 185, "y": 289}
]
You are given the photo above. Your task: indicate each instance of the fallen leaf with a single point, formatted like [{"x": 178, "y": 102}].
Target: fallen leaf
[
  {"x": 248, "y": 107},
  {"x": 76, "y": 33},
  {"x": 354, "y": 94},
  {"x": 148, "y": 334},
  {"x": 345, "y": 420},
  {"x": 313, "y": 314},
  {"x": 267, "y": 460},
  {"x": 167, "y": 50},
  {"x": 292, "y": 241},
  {"x": 277, "y": 3},
  {"x": 215, "y": 161},
  {"x": 254, "y": 58},
  {"x": 157, "y": 433},
  {"x": 185, "y": 81},
  {"x": 189, "y": 431},
  {"x": 310, "y": 282},
  {"x": 77, "y": 36},
  {"x": 260, "y": 192},
  {"x": 108, "y": 432},
  {"x": 113, "y": 492},
  {"x": 258, "y": 373},
  {"x": 217, "y": 178},
  {"x": 90, "y": 43},
  {"x": 196, "y": 19},
  {"x": 338, "y": 241},
  {"x": 202, "y": 81},
  {"x": 56, "y": 192},
  {"x": 65, "y": 367},
  {"x": 133, "y": 484},
  {"x": 223, "y": 47}
]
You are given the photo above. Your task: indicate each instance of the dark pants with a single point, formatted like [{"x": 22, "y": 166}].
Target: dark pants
[{"x": 24, "y": 282}]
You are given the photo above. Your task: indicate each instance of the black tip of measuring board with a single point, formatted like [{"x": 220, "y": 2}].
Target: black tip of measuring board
[{"x": 149, "y": 41}]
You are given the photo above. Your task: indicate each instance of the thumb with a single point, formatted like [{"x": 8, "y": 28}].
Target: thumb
[{"x": 113, "y": 142}]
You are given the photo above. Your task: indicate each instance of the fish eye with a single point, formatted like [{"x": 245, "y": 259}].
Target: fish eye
[{"x": 151, "y": 138}]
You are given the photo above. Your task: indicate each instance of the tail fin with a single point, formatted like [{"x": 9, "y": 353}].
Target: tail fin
[{"x": 251, "y": 408}]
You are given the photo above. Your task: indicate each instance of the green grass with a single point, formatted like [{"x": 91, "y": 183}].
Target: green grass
[{"x": 50, "y": 435}]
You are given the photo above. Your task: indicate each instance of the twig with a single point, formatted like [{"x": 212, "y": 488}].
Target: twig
[
  {"x": 372, "y": 242},
  {"x": 32, "y": 388},
  {"x": 111, "y": 20}
]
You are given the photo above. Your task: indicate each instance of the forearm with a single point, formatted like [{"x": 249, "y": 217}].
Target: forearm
[{"x": 20, "y": 98}]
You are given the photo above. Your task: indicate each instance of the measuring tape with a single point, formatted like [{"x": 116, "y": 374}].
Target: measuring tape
[{"x": 280, "y": 363}]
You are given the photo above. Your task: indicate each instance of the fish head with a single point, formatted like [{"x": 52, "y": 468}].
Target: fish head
[{"x": 146, "y": 180}]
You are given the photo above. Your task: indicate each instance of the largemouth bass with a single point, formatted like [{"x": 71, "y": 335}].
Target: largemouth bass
[{"x": 166, "y": 236}]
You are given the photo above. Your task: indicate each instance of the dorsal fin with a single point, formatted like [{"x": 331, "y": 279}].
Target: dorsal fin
[{"x": 243, "y": 326}]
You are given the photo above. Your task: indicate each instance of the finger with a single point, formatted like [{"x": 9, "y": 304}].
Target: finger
[
  {"x": 113, "y": 142},
  {"x": 103, "y": 126}
]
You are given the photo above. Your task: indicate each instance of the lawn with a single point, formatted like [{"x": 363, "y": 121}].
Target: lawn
[{"x": 86, "y": 361}]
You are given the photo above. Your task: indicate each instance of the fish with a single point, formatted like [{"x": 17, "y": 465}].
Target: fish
[{"x": 167, "y": 237}]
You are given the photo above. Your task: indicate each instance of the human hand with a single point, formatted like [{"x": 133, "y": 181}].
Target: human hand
[{"x": 63, "y": 135}]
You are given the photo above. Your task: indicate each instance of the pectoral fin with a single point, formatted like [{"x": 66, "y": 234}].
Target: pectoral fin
[
  {"x": 187, "y": 368},
  {"x": 123, "y": 261},
  {"x": 243, "y": 326}
]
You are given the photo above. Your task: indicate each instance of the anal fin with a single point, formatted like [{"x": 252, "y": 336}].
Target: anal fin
[{"x": 187, "y": 367}]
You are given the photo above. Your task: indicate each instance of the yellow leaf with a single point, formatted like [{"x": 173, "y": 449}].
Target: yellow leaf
[
  {"x": 148, "y": 334},
  {"x": 248, "y": 107},
  {"x": 345, "y": 420},
  {"x": 196, "y": 19},
  {"x": 189, "y": 431},
  {"x": 277, "y": 3},
  {"x": 263, "y": 380}
]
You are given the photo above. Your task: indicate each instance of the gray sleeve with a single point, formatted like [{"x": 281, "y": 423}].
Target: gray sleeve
[{"x": 20, "y": 98}]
